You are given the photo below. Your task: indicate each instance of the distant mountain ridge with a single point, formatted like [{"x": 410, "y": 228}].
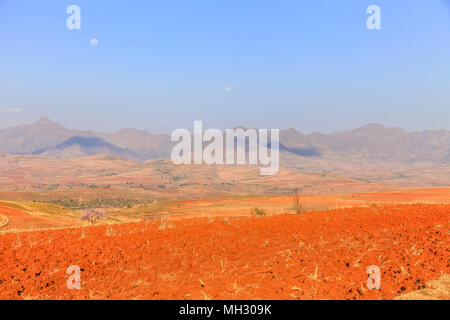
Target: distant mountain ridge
[
  {"x": 79, "y": 146},
  {"x": 26, "y": 139},
  {"x": 372, "y": 142},
  {"x": 48, "y": 138}
]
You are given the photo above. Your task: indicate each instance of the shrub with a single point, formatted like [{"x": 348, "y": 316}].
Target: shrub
[
  {"x": 258, "y": 212},
  {"x": 298, "y": 203}
]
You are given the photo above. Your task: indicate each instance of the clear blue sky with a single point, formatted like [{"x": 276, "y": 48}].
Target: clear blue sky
[{"x": 159, "y": 65}]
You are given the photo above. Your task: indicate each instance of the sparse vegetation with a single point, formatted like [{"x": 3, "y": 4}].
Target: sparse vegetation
[
  {"x": 96, "y": 203},
  {"x": 258, "y": 212},
  {"x": 298, "y": 203}
]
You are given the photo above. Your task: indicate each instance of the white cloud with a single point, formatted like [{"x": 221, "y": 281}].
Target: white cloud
[
  {"x": 10, "y": 110},
  {"x": 93, "y": 42},
  {"x": 224, "y": 88}
]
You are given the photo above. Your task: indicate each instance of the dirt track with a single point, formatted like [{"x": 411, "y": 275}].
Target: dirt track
[
  {"x": 4, "y": 221},
  {"x": 11, "y": 218}
]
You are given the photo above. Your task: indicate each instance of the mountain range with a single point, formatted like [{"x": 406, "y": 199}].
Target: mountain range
[
  {"x": 372, "y": 142},
  {"x": 48, "y": 138}
]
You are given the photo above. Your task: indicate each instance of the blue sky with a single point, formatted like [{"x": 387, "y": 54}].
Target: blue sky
[{"x": 160, "y": 65}]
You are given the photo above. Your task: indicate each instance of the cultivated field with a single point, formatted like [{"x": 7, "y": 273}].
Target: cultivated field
[{"x": 310, "y": 255}]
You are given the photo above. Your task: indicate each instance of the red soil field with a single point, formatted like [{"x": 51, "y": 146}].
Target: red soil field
[
  {"x": 316, "y": 255},
  {"x": 226, "y": 207}
]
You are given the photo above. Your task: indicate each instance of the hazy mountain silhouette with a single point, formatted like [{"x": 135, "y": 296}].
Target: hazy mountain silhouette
[
  {"x": 144, "y": 144},
  {"x": 372, "y": 142},
  {"x": 27, "y": 139},
  {"x": 375, "y": 142},
  {"x": 48, "y": 138},
  {"x": 79, "y": 146}
]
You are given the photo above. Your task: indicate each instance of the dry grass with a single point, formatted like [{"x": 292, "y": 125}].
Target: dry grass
[
  {"x": 258, "y": 212},
  {"x": 298, "y": 202},
  {"x": 434, "y": 290}
]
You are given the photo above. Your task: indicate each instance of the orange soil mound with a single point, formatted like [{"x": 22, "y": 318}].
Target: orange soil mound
[
  {"x": 316, "y": 255},
  {"x": 12, "y": 212},
  {"x": 19, "y": 221}
]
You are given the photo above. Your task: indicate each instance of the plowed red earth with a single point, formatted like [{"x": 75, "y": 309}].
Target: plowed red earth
[{"x": 316, "y": 255}]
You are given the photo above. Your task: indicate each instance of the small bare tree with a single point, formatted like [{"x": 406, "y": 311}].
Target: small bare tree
[
  {"x": 92, "y": 215},
  {"x": 297, "y": 201}
]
